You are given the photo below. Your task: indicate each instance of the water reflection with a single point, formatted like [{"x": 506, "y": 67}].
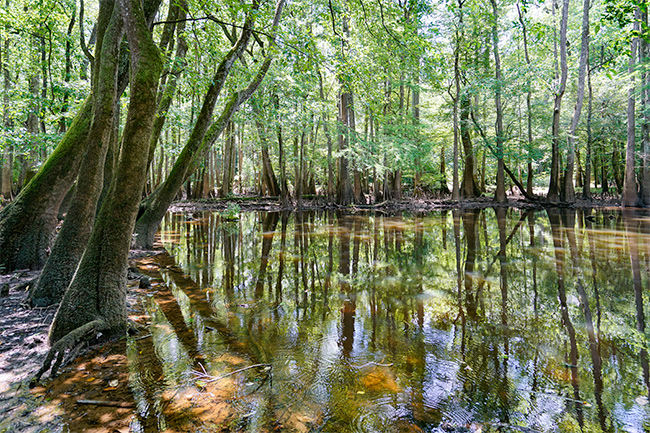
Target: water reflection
[{"x": 474, "y": 320}]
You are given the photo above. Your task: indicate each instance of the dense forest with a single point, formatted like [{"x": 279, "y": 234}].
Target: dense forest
[{"x": 111, "y": 110}]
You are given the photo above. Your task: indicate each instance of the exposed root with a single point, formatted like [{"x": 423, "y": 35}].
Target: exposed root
[{"x": 68, "y": 342}]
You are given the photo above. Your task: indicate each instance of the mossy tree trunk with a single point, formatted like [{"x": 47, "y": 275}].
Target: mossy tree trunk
[
  {"x": 95, "y": 300},
  {"x": 74, "y": 234},
  {"x": 27, "y": 224},
  {"x": 202, "y": 137}
]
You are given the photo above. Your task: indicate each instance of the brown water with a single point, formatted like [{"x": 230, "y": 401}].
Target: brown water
[{"x": 483, "y": 320}]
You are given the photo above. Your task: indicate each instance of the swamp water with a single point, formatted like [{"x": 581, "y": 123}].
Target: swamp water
[{"x": 480, "y": 320}]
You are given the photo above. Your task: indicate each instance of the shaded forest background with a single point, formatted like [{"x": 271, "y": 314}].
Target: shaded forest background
[{"x": 366, "y": 101}]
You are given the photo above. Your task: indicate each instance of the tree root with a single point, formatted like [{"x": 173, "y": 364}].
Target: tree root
[{"x": 69, "y": 342}]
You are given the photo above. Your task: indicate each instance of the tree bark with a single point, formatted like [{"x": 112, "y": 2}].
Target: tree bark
[
  {"x": 645, "y": 102},
  {"x": 529, "y": 114},
  {"x": 469, "y": 186},
  {"x": 569, "y": 192},
  {"x": 346, "y": 119},
  {"x": 554, "y": 184},
  {"x": 26, "y": 225},
  {"x": 586, "y": 189},
  {"x": 96, "y": 299},
  {"x": 455, "y": 189},
  {"x": 71, "y": 241},
  {"x": 201, "y": 138},
  {"x": 500, "y": 195},
  {"x": 630, "y": 195}
]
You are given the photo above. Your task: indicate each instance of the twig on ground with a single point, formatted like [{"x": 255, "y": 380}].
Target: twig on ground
[
  {"x": 208, "y": 379},
  {"x": 123, "y": 404}
]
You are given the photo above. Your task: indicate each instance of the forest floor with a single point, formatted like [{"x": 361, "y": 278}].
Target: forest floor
[{"x": 100, "y": 373}]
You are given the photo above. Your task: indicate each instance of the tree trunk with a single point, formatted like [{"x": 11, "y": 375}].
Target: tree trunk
[
  {"x": 27, "y": 223},
  {"x": 201, "y": 139},
  {"x": 63, "y": 121},
  {"x": 586, "y": 189},
  {"x": 529, "y": 114},
  {"x": 469, "y": 186},
  {"x": 444, "y": 187},
  {"x": 228, "y": 160},
  {"x": 569, "y": 192},
  {"x": 554, "y": 184},
  {"x": 171, "y": 85},
  {"x": 645, "y": 102},
  {"x": 455, "y": 190},
  {"x": 269, "y": 179},
  {"x": 6, "y": 175},
  {"x": 96, "y": 299},
  {"x": 630, "y": 195},
  {"x": 74, "y": 234},
  {"x": 500, "y": 195},
  {"x": 346, "y": 119}
]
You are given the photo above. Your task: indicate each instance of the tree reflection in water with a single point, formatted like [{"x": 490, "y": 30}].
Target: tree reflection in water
[{"x": 464, "y": 320}]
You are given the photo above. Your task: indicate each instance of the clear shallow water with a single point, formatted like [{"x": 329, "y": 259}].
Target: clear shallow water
[{"x": 481, "y": 320}]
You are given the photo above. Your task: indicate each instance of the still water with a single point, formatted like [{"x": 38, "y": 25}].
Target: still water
[{"x": 463, "y": 321}]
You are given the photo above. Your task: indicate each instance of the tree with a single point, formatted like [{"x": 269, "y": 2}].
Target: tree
[
  {"x": 554, "y": 183},
  {"x": 95, "y": 301},
  {"x": 71, "y": 241},
  {"x": 205, "y": 132},
  {"x": 569, "y": 193},
  {"x": 630, "y": 192},
  {"x": 500, "y": 194}
]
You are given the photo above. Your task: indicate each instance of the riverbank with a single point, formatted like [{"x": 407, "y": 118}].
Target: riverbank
[{"x": 389, "y": 207}]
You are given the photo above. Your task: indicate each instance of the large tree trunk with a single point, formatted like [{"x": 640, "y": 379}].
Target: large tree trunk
[
  {"x": 554, "y": 184},
  {"x": 500, "y": 195},
  {"x": 26, "y": 225},
  {"x": 74, "y": 234},
  {"x": 201, "y": 138},
  {"x": 96, "y": 299},
  {"x": 569, "y": 192},
  {"x": 630, "y": 194}
]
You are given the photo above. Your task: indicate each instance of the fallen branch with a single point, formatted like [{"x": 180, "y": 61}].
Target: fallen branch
[
  {"x": 122, "y": 404},
  {"x": 208, "y": 379}
]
